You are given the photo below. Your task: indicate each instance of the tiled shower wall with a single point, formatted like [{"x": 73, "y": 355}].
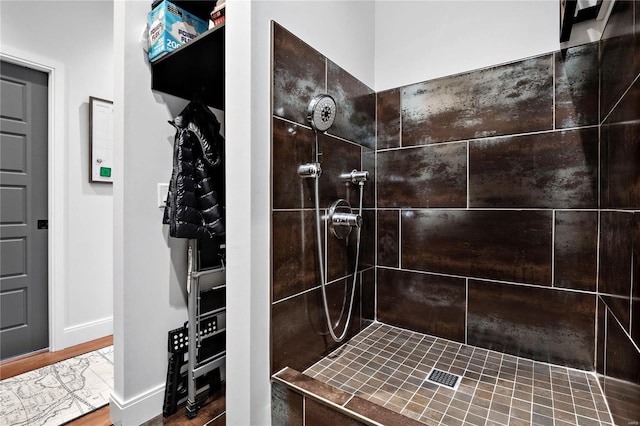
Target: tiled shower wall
[
  {"x": 487, "y": 196},
  {"x": 619, "y": 286},
  {"x": 299, "y": 335},
  {"x": 507, "y": 208}
]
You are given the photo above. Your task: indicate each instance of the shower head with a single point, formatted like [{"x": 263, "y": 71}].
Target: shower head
[{"x": 321, "y": 112}]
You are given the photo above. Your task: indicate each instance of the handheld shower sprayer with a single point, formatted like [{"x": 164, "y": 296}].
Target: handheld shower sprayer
[{"x": 321, "y": 114}]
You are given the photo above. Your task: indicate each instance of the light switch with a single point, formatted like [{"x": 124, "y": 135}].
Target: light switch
[{"x": 163, "y": 190}]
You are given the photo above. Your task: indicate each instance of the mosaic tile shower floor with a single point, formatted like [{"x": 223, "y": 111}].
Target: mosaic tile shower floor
[{"x": 388, "y": 366}]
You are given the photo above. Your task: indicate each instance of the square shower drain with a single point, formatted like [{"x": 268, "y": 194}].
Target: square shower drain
[{"x": 443, "y": 378}]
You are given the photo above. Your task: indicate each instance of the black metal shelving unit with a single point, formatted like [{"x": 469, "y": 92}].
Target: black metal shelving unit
[{"x": 196, "y": 69}]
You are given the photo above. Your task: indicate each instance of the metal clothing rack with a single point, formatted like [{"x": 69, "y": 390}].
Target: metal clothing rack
[{"x": 213, "y": 279}]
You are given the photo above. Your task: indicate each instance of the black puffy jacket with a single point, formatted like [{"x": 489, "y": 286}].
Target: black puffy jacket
[{"x": 195, "y": 204}]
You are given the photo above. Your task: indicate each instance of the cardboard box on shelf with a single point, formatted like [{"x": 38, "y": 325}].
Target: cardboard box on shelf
[
  {"x": 170, "y": 27},
  {"x": 217, "y": 14}
]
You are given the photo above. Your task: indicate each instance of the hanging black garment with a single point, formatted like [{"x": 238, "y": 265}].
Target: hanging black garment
[{"x": 195, "y": 204}]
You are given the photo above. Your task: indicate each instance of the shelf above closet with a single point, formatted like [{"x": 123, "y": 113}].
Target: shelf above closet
[{"x": 195, "y": 70}]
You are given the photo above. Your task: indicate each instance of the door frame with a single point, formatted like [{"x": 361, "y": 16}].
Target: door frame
[{"x": 56, "y": 190}]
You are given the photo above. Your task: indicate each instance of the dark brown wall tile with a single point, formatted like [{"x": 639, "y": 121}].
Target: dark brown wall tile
[
  {"x": 623, "y": 359},
  {"x": 342, "y": 255},
  {"x": 430, "y": 176},
  {"x": 635, "y": 301},
  {"x": 297, "y": 332},
  {"x": 620, "y": 150},
  {"x": 577, "y": 86},
  {"x": 600, "y": 336},
  {"x": 576, "y": 250},
  {"x": 620, "y": 307},
  {"x": 512, "y": 98},
  {"x": 367, "y": 240},
  {"x": 356, "y": 107},
  {"x": 292, "y": 145},
  {"x": 635, "y": 320},
  {"x": 369, "y": 164},
  {"x": 286, "y": 406},
  {"x": 623, "y": 399},
  {"x": 368, "y": 291},
  {"x": 628, "y": 109},
  {"x": 316, "y": 414},
  {"x": 298, "y": 75},
  {"x": 339, "y": 255},
  {"x": 299, "y": 335},
  {"x": 503, "y": 245},
  {"x": 388, "y": 119},
  {"x": 637, "y": 18},
  {"x": 338, "y": 157},
  {"x": 388, "y": 237},
  {"x": 545, "y": 170},
  {"x": 549, "y": 325},
  {"x": 425, "y": 303},
  {"x": 294, "y": 251},
  {"x": 615, "y": 253},
  {"x": 620, "y": 64}
]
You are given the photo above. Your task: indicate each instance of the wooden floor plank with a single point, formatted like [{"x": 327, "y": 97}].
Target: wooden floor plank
[
  {"x": 213, "y": 409},
  {"x": 100, "y": 417},
  {"x": 26, "y": 363}
]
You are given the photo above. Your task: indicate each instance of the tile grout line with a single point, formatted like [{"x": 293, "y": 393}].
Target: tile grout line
[
  {"x": 332, "y": 362},
  {"x": 466, "y": 412},
  {"x": 573, "y": 400},
  {"x": 468, "y": 172},
  {"x": 553, "y": 89},
  {"x": 400, "y": 239},
  {"x": 397, "y": 368},
  {"x": 453, "y": 395},
  {"x": 409, "y": 375},
  {"x": 488, "y": 138},
  {"x": 486, "y": 358},
  {"x": 553, "y": 249},
  {"x": 435, "y": 363},
  {"x": 440, "y": 274},
  {"x": 378, "y": 354}
]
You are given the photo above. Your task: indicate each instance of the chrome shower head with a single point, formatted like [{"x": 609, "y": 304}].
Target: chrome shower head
[{"x": 321, "y": 112}]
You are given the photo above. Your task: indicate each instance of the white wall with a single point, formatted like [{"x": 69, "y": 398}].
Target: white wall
[
  {"x": 422, "y": 40},
  {"x": 84, "y": 45},
  {"x": 149, "y": 267}
]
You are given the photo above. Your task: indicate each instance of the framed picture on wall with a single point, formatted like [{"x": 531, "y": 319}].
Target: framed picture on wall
[{"x": 100, "y": 140}]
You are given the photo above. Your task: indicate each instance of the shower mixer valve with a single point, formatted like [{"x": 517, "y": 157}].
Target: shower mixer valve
[
  {"x": 346, "y": 219},
  {"x": 356, "y": 176}
]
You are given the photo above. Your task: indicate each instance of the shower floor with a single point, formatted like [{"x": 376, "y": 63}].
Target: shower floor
[{"x": 388, "y": 366}]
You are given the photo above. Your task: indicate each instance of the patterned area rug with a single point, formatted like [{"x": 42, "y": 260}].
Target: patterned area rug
[{"x": 55, "y": 394}]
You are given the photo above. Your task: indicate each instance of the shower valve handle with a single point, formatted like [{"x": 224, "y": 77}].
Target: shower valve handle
[
  {"x": 309, "y": 170},
  {"x": 356, "y": 176},
  {"x": 346, "y": 219}
]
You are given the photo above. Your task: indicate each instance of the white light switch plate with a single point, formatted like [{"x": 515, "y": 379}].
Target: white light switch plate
[{"x": 163, "y": 190}]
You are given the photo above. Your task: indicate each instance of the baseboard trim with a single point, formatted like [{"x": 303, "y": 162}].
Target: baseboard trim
[
  {"x": 88, "y": 331},
  {"x": 138, "y": 409}
]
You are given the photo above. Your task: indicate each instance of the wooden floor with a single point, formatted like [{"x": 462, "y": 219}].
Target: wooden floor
[
  {"x": 213, "y": 408},
  {"x": 26, "y": 363}
]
